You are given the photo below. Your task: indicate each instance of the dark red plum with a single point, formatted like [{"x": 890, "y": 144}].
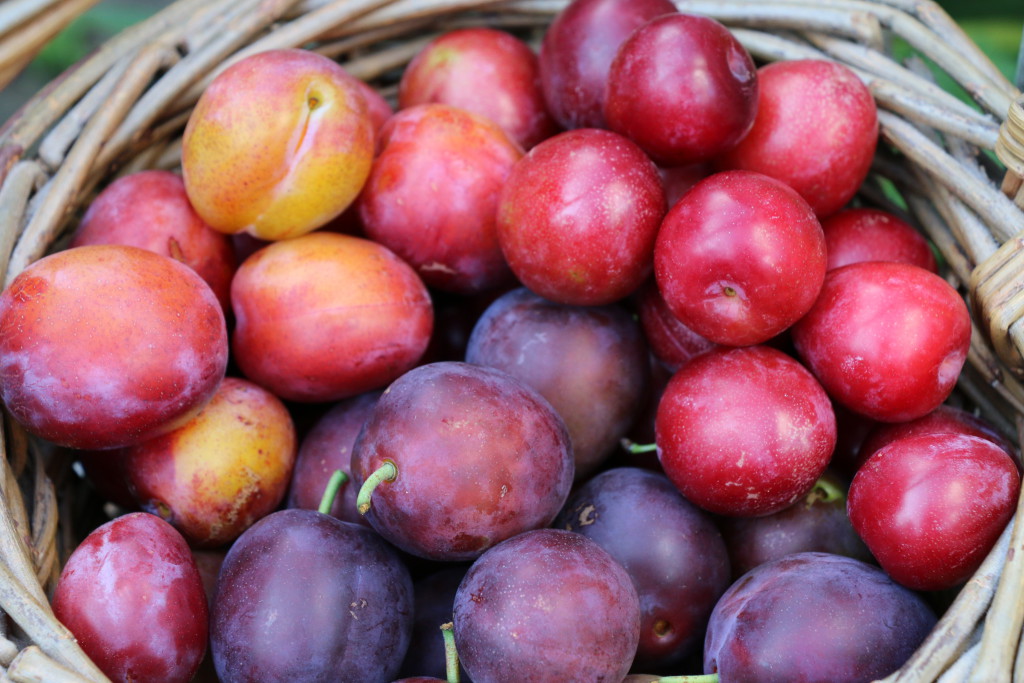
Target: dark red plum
[
  {"x": 740, "y": 258},
  {"x": 478, "y": 457},
  {"x": 945, "y": 419},
  {"x": 931, "y": 506},
  {"x": 303, "y": 596},
  {"x": 434, "y": 597},
  {"x": 816, "y": 130},
  {"x": 546, "y": 605},
  {"x": 745, "y": 431},
  {"x": 683, "y": 88},
  {"x": 327, "y": 448},
  {"x": 815, "y": 523},
  {"x": 133, "y": 598},
  {"x": 579, "y": 215},
  {"x": 866, "y": 234},
  {"x": 578, "y": 49},
  {"x": 589, "y": 362},
  {"x": 669, "y": 337},
  {"x": 671, "y": 549},
  {"x": 814, "y": 617}
]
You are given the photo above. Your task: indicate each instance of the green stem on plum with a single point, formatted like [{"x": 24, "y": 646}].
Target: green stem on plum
[
  {"x": 386, "y": 472},
  {"x": 696, "y": 678},
  {"x": 331, "y": 492},
  {"x": 451, "y": 655},
  {"x": 825, "y": 491},
  {"x": 637, "y": 448}
]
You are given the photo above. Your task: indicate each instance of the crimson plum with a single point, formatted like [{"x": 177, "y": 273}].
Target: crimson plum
[
  {"x": 931, "y": 506},
  {"x": 744, "y": 431},
  {"x": 133, "y": 598},
  {"x": 740, "y": 258},
  {"x": 303, "y": 596},
  {"x": 670, "y": 548},
  {"x": 578, "y": 217},
  {"x": 590, "y": 362},
  {"x": 670, "y": 339},
  {"x": 865, "y": 234},
  {"x": 814, "y": 617},
  {"x": 683, "y": 88},
  {"x": 578, "y": 49},
  {"x": 478, "y": 457},
  {"x": 887, "y": 340},
  {"x": 816, "y": 130},
  {"x": 546, "y": 605}
]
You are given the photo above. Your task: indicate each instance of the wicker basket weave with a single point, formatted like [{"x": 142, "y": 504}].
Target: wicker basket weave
[{"x": 124, "y": 107}]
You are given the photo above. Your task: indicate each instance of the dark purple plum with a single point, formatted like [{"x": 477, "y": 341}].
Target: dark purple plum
[
  {"x": 816, "y": 522},
  {"x": 326, "y": 448},
  {"x": 814, "y": 617},
  {"x": 578, "y": 49},
  {"x": 304, "y": 596},
  {"x": 546, "y": 605},
  {"x": 479, "y": 457},
  {"x": 591, "y": 363},
  {"x": 671, "y": 549},
  {"x": 433, "y": 597}
]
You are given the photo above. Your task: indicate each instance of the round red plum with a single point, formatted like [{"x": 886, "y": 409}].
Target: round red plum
[
  {"x": 816, "y": 130},
  {"x": 683, "y": 88},
  {"x": 579, "y": 216},
  {"x": 887, "y": 340},
  {"x": 740, "y": 258},
  {"x": 325, "y": 316},
  {"x": 744, "y": 431},
  {"x": 865, "y": 234},
  {"x": 133, "y": 598},
  {"x": 488, "y": 72},
  {"x": 108, "y": 345}
]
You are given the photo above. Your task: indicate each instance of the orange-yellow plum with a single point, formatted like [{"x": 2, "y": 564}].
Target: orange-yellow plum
[
  {"x": 327, "y": 316},
  {"x": 279, "y": 143},
  {"x": 108, "y": 345},
  {"x": 222, "y": 471}
]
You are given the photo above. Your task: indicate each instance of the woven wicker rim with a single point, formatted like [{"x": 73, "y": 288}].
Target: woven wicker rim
[{"x": 124, "y": 107}]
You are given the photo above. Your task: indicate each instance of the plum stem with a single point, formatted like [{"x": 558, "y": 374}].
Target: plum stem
[
  {"x": 824, "y": 491},
  {"x": 386, "y": 472},
  {"x": 451, "y": 655},
  {"x": 696, "y": 678},
  {"x": 331, "y": 492},
  {"x": 637, "y": 448}
]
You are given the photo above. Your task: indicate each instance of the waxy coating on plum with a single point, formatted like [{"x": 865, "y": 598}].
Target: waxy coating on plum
[
  {"x": 303, "y": 596},
  {"x": 814, "y": 617},
  {"x": 479, "y": 457},
  {"x": 546, "y": 605},
  {"x": 133, "y": 598},
  {"x": 589, "y": 362},
  {"x": 105, "y": 346},
  {"x": 670, "y": 548}
]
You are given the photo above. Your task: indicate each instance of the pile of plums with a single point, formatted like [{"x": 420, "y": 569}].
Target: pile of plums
[{"x": 478, "y": 306}]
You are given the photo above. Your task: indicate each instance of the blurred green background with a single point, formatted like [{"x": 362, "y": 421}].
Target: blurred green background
[{"x": 995, "y": 25}]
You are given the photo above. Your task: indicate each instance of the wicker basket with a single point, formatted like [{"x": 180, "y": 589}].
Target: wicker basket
[{"x": 124, "y": 108}]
